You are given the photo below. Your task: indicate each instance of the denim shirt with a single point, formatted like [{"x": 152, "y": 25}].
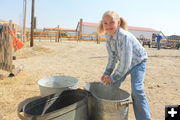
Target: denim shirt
[{"x": 124, "y": 48}]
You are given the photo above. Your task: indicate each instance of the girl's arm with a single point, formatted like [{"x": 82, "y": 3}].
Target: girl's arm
[{"x": 112, "y": 60}]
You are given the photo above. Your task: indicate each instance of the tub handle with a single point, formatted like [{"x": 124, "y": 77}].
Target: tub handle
[{"x": 126, "y": 102}]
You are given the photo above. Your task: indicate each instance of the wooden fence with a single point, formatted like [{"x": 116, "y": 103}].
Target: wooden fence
[
  {"x": 59, "y": 36},
  {"x": 165, "y": 43}
]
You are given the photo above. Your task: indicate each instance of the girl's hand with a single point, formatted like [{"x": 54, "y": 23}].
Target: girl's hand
[
  {"x": 106, "y": 79},
  {"x": 102, "y": 78}
]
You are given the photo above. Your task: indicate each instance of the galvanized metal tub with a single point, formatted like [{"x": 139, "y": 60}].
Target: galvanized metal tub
[
  {"x": 69, "y": 105},
  {"x": 107, "y": 102},
  {"x": 54, "y": 84}
]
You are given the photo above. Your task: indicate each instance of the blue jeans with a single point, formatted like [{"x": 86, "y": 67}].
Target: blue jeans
[
  {"x": 140, "y": 103},
  {"x": 158, "y": 45}
]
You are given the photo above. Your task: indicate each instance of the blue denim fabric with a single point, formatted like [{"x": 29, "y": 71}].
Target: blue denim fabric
[
  {"x": 140, "y": 103},
  {"x": 158, "y": 45},
  {"x": 158, "y": 37},
  {"x": 124, "y": 47}
]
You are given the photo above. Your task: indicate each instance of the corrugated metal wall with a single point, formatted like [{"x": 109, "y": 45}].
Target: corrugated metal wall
[
  {"x": 145, "y": 34},
  {"x": 88, "y": 29}
]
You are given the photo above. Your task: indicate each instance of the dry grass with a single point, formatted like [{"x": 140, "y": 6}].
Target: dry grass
[
  {"x": 86, "y": 61},
  {"x": 32, "y": 51}
]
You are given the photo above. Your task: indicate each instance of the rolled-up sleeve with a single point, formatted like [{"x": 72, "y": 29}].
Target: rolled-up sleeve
[
  {"x": 124, "y": 65},
  {"x": 112, "y": 60}
]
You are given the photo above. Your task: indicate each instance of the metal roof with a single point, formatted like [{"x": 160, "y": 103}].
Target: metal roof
[{"x": 129, "y": 27}]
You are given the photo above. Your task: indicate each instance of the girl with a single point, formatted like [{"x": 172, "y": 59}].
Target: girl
[{"x": 125, "y": 49}]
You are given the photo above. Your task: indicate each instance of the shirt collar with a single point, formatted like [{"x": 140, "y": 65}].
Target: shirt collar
[{"x": 115, "y": 36}]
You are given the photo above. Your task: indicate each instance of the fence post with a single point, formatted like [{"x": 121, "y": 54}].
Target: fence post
[
  {"x": 60, "y": 32},
  {"x": 98, "y": 38},
  {"x": 6, "y": 51},
  {"x": 80, "y": 30},
  {"x": 57, "y": 36}
]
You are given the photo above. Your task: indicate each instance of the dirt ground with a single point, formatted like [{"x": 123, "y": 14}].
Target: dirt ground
[{"x": 86, "y": 61}]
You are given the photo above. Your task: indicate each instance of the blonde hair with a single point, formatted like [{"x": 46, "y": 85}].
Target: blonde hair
[{"x": 115, "y": 16}]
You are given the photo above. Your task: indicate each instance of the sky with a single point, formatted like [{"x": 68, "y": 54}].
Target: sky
[{"x": 162, "y": 15}]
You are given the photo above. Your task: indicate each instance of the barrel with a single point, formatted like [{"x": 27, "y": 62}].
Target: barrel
[
  {"x": 54, "y": 84},
  {"x": 69, "y": 105},
  {"x": 107, "y": 102}
]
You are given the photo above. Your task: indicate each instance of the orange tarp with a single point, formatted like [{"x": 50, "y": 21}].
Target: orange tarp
[{"x": 17, "y": 44}]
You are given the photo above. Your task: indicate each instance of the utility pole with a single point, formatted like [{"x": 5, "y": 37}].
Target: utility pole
[
  {"x": 32, "y": 24},
  {"x": 24, "y": 20}
]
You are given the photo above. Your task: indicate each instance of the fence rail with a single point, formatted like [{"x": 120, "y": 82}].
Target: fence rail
[
  {"x": 62, "y": 35},
  {"x": 58, "y": 36}
]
